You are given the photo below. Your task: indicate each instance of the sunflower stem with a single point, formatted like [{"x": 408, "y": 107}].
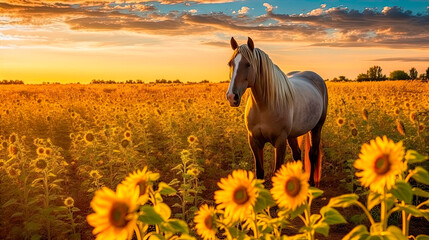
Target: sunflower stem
[
  {"x": 255, "y": 223},
  {"x": 405, "y": 222},
  {"x": 368, "y": 215},
  {"x": 383, "y": 211}
]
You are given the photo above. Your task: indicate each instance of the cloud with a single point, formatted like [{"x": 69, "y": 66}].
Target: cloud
[
  {"x": 243, "y": 10},
  {"x": 393, "y": 27},
  {"x": 268, "y": 6},
  {"x": 404, "y": 59}
]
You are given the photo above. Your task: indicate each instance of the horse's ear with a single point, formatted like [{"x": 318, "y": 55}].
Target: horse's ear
[
  {"x": 234, "y": 44},
  {"x": 250, "y": 44}
]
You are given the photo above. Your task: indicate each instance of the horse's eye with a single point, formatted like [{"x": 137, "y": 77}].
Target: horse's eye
[{"x": 248, "y": 64}]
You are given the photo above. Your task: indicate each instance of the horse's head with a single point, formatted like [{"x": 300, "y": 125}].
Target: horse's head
[{"x": 241, "y": 71}]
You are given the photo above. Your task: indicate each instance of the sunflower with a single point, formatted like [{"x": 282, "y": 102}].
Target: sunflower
[
  {"x": 94, "y": 174},
  {"x": 290, "y": 185},
  {"x": 2, "y": 163},
  {"x": 400, "y": 127},
  {"x": 237, "y": 195},
  {"x": 115, "y": 213},
  {"x": 340, "y": 121},
  {"x": 365, "y": 114},
  {"x": 40, "y": 164},
  {"x": 69, "y": 202},
  {"x": 380, "y": 162},
  {"x": 13, "y": 150},
  {"x": 141, "y": 179},
  {"x": 192, "y": 139},
  {"x": 127, "y": 134},
  {"x": 89, "y": 137},
  {"x": 12, "y": 138},
  {"x": 48, "y": 151},
  {"x": 40, "y": 151},
  {"x": 193, "y": 172},
  {"x": 205, "y": 220},
  {"x": 125, "y": 142}
]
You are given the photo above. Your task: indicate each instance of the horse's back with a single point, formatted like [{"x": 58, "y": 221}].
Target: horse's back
[{"x": 309, "y": 76}]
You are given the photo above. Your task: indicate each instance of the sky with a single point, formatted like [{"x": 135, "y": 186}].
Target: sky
[{"x": 77, "y": 40}]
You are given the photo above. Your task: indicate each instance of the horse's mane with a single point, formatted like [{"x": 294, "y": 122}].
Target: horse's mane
[{"x": 278, "y": 90}]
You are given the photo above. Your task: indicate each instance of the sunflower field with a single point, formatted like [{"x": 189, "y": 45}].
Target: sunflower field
[{"x": 171, "y": 161}]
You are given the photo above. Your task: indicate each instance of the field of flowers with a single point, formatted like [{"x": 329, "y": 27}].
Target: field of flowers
[{"x": 148, "y": 160}]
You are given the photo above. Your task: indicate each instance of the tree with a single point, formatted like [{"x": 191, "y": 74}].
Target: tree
[
  {"x": 413, "y": 73},
  {"x": 362, "y": 77},
  {"x": 399, "y": 75},
  {"x": 375, "y": 74},
  {"x": 427, "y": 73}
]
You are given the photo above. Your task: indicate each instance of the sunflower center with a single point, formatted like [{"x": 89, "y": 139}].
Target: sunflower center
[
  {"x": 292, "y": 186},
  {"x": 118, "y": 214},
  {"x": 41, "y": 164},
  {"x": 142, "y": 185},
  {"x": 208, "y": 222},
  {"x": 382, "y": 164},
  {"x": 240, "y": 195}
]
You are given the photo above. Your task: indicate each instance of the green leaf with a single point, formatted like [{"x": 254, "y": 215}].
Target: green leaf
[
  {"x": 314, "y": 218},
  {"x": 36, "y": 237},
  {"x": 322, "y": 228},
  {"x": 163, "y": 210},
  {"x": 421, "y": 175},
  {"x": 373, "y": 200},
  {"x": 343, "y": 201},
  {"x": 402, "y": 191},
  {"x": 175, "y": 226},
  {"x": 315, "y": 192},
  {"x": 422, "y": 237},
  {"x": 394, "y": 233},
  {"x": 415, "y": 157},
  {"x": 165, "y": 189},
  {"x": 156, "y": 236},
  {"x": 331, "y": 216},
  {"x": 150, "y": 216},
  {"x": 298, "y": 211},
  {"x": 264, "y": 200},
  {"x": 9, "y": 202},
  {"x": 358, "y": 233},
  {"x": 411, "y": 210},
  {"x": 419, "y": 192}
]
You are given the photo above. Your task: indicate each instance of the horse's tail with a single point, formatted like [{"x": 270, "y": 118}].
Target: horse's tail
[
  {"x": 317, "y": 172},
  {"x": 307, "y": 163}
]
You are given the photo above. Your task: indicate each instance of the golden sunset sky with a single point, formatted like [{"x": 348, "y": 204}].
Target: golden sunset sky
[{"x": 77, "y": 41}]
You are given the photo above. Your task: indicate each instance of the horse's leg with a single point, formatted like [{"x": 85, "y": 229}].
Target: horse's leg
[
  {"x": 294, "y": 145},
  {"x": 314, "y": 153},
  {"x": 258, "y": 155},
  {"x": 280, "y": 152}
]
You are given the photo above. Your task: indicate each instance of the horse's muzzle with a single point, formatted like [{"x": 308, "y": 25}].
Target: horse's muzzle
[{"x": 234, "y": 99}]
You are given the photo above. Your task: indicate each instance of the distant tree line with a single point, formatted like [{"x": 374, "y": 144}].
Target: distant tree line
[
  {"x": 8, "y": 82},
  {"x": 375, "y": 73},
  {"x": 177, "y": 81}
]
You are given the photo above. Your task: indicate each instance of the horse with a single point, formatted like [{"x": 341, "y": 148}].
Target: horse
[{"x": 280, "y": 109}]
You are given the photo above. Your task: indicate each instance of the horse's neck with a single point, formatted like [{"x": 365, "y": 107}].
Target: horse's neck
[{"x": 257, "y": 95}]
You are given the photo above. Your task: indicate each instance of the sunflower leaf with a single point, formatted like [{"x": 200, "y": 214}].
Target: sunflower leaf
[
  {"x": 315, "y": 192},
  {"x": 419, "y": 192},
  {"x": 323, "y": 228},
  {"x": 422, "y": 237},
  {"x": 343, "y": 201},
  {"x": 150, "y": 216},
  {"x": 373, "y": 200},
  {"x": 358, "y": 233},
  {"x": 421, "y": 175},
  {"x": 413, "y": 156},
  {"x": 411, "y": 210},
  {"x": 165, "y": 189},
  {"x": 175, "y": 226},
  {"x": 331, "y": 216},
  {"x": 394, "y": 233},
  {"x": 402, "y": 191}
]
